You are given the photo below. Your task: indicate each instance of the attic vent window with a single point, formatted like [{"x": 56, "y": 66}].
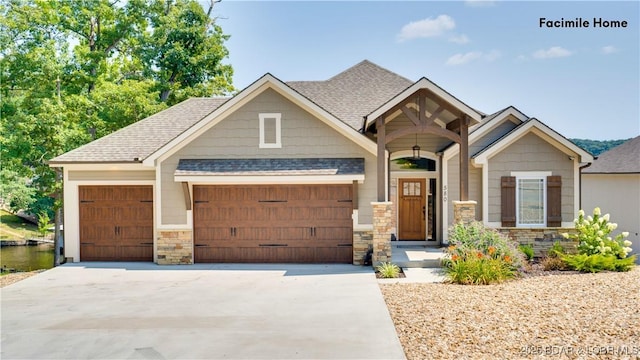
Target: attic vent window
[{"x": 270, "y": 134}]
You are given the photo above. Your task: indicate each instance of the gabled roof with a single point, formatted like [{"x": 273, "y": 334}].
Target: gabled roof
[
  {"x": 622, "y": 159},
  {"x": 354, "y": 92},
  {"x": 137, "y": 141},
  {"x": 539, "y": 128}
]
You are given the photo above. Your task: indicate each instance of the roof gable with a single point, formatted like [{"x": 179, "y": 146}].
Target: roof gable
[
  {"x": 539, "y": 128},
  {"x": 622, "y": 159}
]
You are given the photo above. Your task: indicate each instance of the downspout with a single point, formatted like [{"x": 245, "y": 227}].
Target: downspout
[{"x": 580, "y": 181}]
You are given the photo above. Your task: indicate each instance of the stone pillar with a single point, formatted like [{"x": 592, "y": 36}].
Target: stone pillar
[
  {"x": 464, "y": 211},
  {"x": 174, "y": 247},
  {"x": 381, "y": 232}
]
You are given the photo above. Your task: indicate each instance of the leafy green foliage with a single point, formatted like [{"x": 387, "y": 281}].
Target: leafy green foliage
[
  {"x": 592, "y": 234},
  {"x": 43, "y": 223},
  {"x": 73, "y": 71},
  {"x": 388, "y": 270},
  {"x": 598, "y": 262},
  {"x": 597, "y": 147},
  {"x": 556, "y": 250},
  {"x": 478, "y": 255},
  {"x": 527, "y": 250}
]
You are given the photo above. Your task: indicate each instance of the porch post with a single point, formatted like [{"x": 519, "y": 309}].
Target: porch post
[
  {"x": 380, "y": 127},
  {"x": 464, "y": 158}
]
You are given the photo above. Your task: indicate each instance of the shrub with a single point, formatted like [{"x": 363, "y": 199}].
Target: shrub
[
  {"x": 388, "y": 270},
  {"x": 478, "y": 255},
  {"x": 553, "y": 263},
  {"x": 598, "y": 262},
  {"x": 556, "y": 250},
  {"x": 593, "y": 236},
  {"x": 527, "y": 250}
]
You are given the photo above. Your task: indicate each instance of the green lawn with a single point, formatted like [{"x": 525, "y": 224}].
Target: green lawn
[{"x": 15, "y": 228}]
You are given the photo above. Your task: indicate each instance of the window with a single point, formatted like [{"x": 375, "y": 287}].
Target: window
[
  {"x": 270, "y": 134},
  {"x": 531, "y": 199}
]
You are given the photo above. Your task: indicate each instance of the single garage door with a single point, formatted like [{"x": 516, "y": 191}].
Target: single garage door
[
  {"x": 273, "y": 223},
  {"x": 116, "y": 223}
]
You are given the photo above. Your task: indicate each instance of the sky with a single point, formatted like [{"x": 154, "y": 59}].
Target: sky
[{"x": 583, "y": 82}]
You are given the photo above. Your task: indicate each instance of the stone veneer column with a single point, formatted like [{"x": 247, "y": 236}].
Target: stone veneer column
[
  {"x": 174, "y": 247},
  {"x": 382, "y": 223},
  {"x": 464, "y": 211}
]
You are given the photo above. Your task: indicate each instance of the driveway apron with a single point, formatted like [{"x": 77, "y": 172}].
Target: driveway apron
[{"x": 146, "y": 311}]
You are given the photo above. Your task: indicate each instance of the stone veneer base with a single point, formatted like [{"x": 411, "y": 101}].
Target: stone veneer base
[{"x": 174, "y": 247}]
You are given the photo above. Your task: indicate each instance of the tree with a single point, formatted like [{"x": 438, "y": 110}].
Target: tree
[
  {"x": 43, "y": 223},
  {"x": 71, "y": 71}
]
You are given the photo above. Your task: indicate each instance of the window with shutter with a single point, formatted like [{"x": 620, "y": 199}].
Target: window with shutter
[
  {"x": 508, "y": 196},
  {"x": 554, "y": 201},
  {"x": 531, "y": 199}
]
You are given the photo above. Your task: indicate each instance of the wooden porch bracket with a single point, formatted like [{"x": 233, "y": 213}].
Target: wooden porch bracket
[{"x": 187, "y": 195}]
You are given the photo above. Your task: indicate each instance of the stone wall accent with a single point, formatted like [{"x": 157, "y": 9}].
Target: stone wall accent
[
  {"x": 464, "y": 211},
  {"x": 362, "y": 242},
  {"x": 174, "y": 247},
  {"x": 541, "y": 239},
  {"x": 382, "y": 212}
]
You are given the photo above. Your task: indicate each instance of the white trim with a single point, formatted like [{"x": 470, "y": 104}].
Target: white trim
[
  {"x": 423, "y": 83},
  {"x": 268, "y": 81},
  {"x": 536, "y": 127},
  {"x": 72, "y": 211},
  {"x": 356, "y": 225},
  {"x": 275, "y": 179},
  {"x": 531, "y": 175},
  {"x": 278, "y": 143}
]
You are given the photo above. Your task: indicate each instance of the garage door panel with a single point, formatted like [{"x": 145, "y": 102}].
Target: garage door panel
[
  {"x": 273, "y": 223},
  {"x": 116, "y": 223}
]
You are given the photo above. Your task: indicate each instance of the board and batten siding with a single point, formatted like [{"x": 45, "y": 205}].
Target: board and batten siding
[
  {"x": 531, "y": 153},
  {"x": 237, "y": 137}
]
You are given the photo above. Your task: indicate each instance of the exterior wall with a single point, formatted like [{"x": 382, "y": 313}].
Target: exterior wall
[
  {"x": 618, "y": 195},
  {"x": 174, "y": 247},
  {"x": 531, "y": 153},
  {"x": 453, "y": 188},
  {"x": 111, "y": 175},
  {"x": 362, "y": 242},
  {"x": 237, "y": 137},
  {"x": 491, "y": 136},
  {"x": 542, "y": 239}
]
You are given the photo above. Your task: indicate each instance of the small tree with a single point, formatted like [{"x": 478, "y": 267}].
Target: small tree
[{"x": 43, "y": 223}]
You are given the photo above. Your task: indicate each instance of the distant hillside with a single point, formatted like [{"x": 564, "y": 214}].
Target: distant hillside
[{"x": 597, "y": 147}]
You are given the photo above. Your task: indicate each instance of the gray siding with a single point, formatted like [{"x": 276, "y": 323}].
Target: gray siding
[
  {"x": 531, "y": 153},
  {"x": 490, "y": 137},
  {"x": 112, "y": 175},
  {"x": 238, "y": 137},
  {"x": 453, "y": 188}
]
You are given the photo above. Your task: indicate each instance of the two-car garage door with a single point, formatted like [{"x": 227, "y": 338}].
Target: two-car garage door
[{"x": 273, "y": 223}]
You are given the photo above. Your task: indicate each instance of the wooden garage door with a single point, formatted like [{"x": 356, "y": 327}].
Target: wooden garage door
[
  {"x": 273, "y": 223},
  {"x": 116, "y": 223}
]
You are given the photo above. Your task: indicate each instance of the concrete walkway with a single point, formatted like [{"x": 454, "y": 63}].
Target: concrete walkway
[{"x": 146, "y": 311}]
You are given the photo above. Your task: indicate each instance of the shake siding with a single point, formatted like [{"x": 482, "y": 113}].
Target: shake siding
[
  {"x": 453, "y": 186},
  {"x": 112, "y": 175},
  {"x": 238, "y": 137},
  {"x": 531, "y": 153}
]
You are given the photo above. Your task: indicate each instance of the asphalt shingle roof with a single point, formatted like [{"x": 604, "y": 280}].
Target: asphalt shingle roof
[
  {"x": 355, "y": 92},
  {"x": 143, "y": 138},
  {"x": 622, "y": 159},
  {"x": 229, "y": 167}
]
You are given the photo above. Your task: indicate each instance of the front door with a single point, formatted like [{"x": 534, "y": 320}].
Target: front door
[{"x": 412, "y": 209}]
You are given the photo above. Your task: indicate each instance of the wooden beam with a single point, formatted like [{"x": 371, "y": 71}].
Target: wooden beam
[
  {"x": 355, "y": 195},
  {"x": 454, "y": 125},
  {"x": 410, "y": 115},
  {"x": 187, "y": 195},
  {"x": 464, "y": 158},
  {"x": 423, "y": 129},
  {"x": 422, "y": 108},
  {"x": 381, "y": 171},
  {"x": 432, "y": 118}
]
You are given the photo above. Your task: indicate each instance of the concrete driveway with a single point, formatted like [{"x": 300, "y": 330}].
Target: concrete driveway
[{"x": 146, "y": 311}]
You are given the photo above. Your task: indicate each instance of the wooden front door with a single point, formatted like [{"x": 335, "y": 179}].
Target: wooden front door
[
  {"x": 273, "y": 223},
  {"x": 116, "y": 223},
  {"x": 412, "y": 209}
]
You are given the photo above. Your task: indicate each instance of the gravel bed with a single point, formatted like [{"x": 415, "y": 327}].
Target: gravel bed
[
  {"x": 11, "y": 278},
  {"x": 561, "y": 316}
]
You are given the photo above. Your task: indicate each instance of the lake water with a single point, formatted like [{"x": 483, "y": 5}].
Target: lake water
[{"x": 27, "y": 258}]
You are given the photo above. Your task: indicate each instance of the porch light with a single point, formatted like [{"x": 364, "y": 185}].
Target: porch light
[{"x": 416, "y": 149}]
